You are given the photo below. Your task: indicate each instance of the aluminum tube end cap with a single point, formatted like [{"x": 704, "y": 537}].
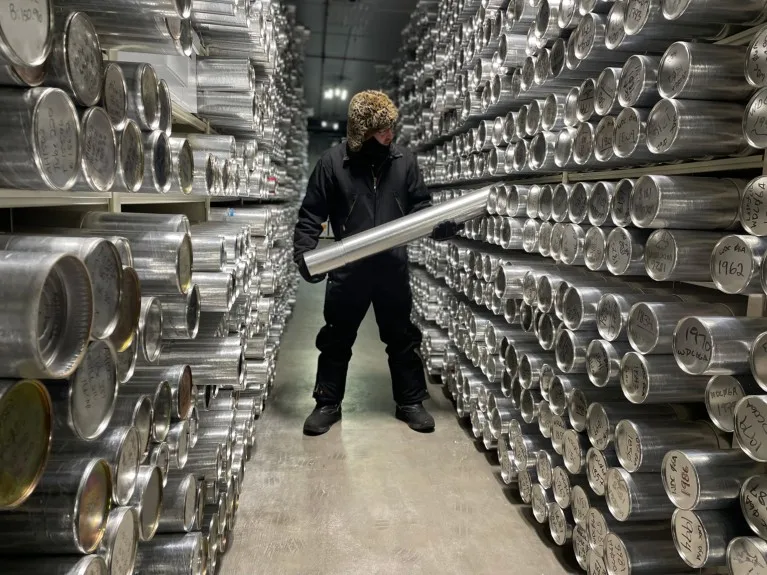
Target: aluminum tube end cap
[{"x": 325, "y": 259}]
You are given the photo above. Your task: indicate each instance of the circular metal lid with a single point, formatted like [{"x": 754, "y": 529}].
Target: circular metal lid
[
  {"x": 660, "y": 255},
  {"x": 732, "y": 264},
  {"x": 690, "y": 538},
  {"x": 130, "y": 166},
  {"x": 629, "y": 131},
  {"x": 610, "y": 321},
  {"x": 601, "y": 360},
  {"x": 573, "y": 238},
  {"x": 558, "y": 428},
  {"x": 621, "y": 202},
  {"x": 754, "y": 505},
  {"x": 126, "y": 466},
  {"x": 585, "y": 36},
  {"x": 616, "y": 556},
  {"x": 161, "y": 408},
  {"x": 585, "y": 104},
  {"x": 525, "y": 485},
  {"x": 606, "y": 94},
  {"x": 635, "y": 379},
  {"x": 84, "y": 61},
  {"x": 662, "y": 126},
  {"x": 747, "y": 556},
  {"x": 618, "y": 494},
  {"x": 165, "y": 108},
  {"x": 99, "y": 150},
  {"x": 25, "y": 410},
  {"x": 149, "y": 96},
  {"x": 583, "y": 144},
  {"x": 92, "y": 505},
  {"x": 674, "y": 70},
  {"x": 123, "y": 541},
  {"x": 56, "y": 152},
  {"x": 680, "y": 479},
  {"x": 558, "y": 525},
  {"x": 580, "y": 505},
  {"x": 540, "y": 504},
  {"x": 151, "y": 503},
  {"x": 93, "y": 391},
  {"x": 572, "y": 451},
  {"x": 150, "y": 326},
  {"x": 115, "y": 99},
  {"x": 643, "y": 328},
  {"x": 753, "y": 204},
  {"x": 637, "y": 15},
  {"x": 628, "y": 446},
  {"x": 750, "y": 429},
  {"x": 619, "y": 251},
  {"x": 594, "y": 247},
  {"x": 756, "y": 60},
  {"x": 25, "y": 32},
  {"x": 596, "y": 470},
  {"x": 632, "y": 82},
  {"x": 560, "y": 484},
  {"x": 604, "y": 136},
  {"x": 693, "y": 346},
  {"x": 722, "y": 395},
  {"x": 614, "y": 30},
  {"x": 596, "y": 562}
]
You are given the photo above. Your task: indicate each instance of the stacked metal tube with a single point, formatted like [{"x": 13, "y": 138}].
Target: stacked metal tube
[
  {"x": 610, "y": 397},
  {"x": 141, "y": 435}
]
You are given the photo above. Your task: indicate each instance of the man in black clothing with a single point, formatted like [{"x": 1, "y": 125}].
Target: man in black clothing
[{"x": 358, "y": 184}]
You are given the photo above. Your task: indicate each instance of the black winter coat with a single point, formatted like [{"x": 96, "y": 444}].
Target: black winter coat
[{"x": 346, "y": 189}]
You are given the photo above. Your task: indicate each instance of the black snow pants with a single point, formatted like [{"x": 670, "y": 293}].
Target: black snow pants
[{"x": 382, "y": 280}]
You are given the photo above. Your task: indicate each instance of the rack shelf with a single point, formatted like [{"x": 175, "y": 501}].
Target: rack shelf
[
  {"x": 10, "y": 198},
  {"x": 754, "y": 162},
  {"x": 187, "y": 119}
]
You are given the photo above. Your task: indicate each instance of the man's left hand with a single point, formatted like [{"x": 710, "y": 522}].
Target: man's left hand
[{"x": 446, "y": 230}]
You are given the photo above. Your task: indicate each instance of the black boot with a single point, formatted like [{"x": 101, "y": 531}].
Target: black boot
[
  {"x": 321, "y": 419},
  {"x": 416, "y": 416}
]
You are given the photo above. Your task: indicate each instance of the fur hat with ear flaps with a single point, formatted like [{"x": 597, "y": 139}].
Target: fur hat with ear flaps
[{"x": 369, "y": 111}]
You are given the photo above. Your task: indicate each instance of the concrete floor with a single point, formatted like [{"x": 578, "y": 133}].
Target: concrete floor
[{"x": 372, "y": 496}]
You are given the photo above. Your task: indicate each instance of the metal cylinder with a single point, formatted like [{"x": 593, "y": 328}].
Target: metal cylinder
[
  {"x": 641, "y": 446},
  {"x": 39, "y": 283},
  {"x": 115, "y": 95},
  {"x": 672, "y": 255},
  {"x": 72, "y": 492},
  {"x": 179, "y": 504},
  {"x": 716, "y": 345},
  {"x": 658, "y": 379},
  {"x": 603, "y": 362},
  {"x": 100, "y": 258},
  {"x": 613, "y": 311},
  {"x": 143, "y": 94},
  {"x": 184, "y": 553},
  {"x": 659, "y": 201},
  {"x": 182, "y": 166},
  {"x": 636, "y": 497},
  {"x": 682, "y": 128},
  {"x": 181, "y": 314},
  {"x": 603, "y": 417},
  {"x": 55, "y": 158},
  {"x": 400, "y": 231},
  {"x": 653, "y": 553},
  {"x": 150, "y": 328},
  {"x": 221, "y": 361},
  {"x": 75, "y": 63},
  {"x": 147, "y": 500},
  {"x": 125, "y": 334},
  {"x": 179, "y": 378}
]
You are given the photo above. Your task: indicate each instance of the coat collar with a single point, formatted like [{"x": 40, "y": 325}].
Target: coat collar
[{"x": 394, "y": 152}]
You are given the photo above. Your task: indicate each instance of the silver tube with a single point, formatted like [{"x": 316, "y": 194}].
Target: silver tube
[
  {"x": 541, "y": 501},
  {"x": 651, "y": 325},
  {"x": 48, "y": 279},
  {"x": 598, "y": 463},
  {"x": 55, "y": 160},
  {"x": 181, "y": 314},
  {"x": 181, "y": 169},
  {"x": 150, "y": 328},
  {"x": 722, "y": 395},
  {"x": 602, "y": 419},
  {"x": 603, "y": 362},
  {"x": 658, "y": 379},
  {"x": 681, "y": 127},
  {"x": 653, "y": 553},
  {"x": 179, "y": 378},
  {"x": 749, "y": 412},
  {"x": 221, "y": 362},
  {"x": 71, "y": 489},
  {"x": 133, "y": 410},
  {"x": 147, "y": 500},
  {"x": 103, "y": 263},
  {"x": 641, "y": 446},
  {"x": 744, "y": 554},
  {"x": 636, "y": 497},
  {"x": 179, "y": 505},
  {"x": 713, "y": 345},
  {"x": 595, "y": 244},
  {"x": 75, "y": 63},
  {"x": 182, "y": 552},
  {"x": 393, "y": 234},
  {"x": 115, "y": 95},
  {"x": 613, "y": 311},
  {"x": 672, "y": 255},
  {"x": 130, "y": 163},
  {"x": 703, "y": 72},
  {"x": 143, "y": 94},
  {"x": 125, "y": 336},
  {"x": 119, "y": 446}
]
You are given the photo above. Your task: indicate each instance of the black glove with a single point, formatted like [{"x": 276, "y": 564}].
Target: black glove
[
  {"x": 446, "y": 230},
  {"x": 304, "y": 271}
]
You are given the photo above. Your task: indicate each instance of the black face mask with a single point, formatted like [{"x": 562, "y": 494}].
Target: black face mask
[{"x": 374, "y": 151}]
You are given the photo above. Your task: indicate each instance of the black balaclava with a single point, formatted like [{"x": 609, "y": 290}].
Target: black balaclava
[{"x": 374, "y": 152}]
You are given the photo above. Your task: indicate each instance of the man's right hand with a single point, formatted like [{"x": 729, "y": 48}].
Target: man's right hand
[{"x": 304, "y": 271}]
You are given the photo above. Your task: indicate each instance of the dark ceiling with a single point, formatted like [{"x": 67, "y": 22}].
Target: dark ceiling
[{"x": 354, "y": 37}]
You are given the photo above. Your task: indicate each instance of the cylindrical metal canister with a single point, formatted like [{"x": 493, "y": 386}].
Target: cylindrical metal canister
[
  {"x": 185, "y": 552},
  {"x": 98, "y": 160},
  {"x": 120, "y": 542},
  {"x": 179, "y": 505},
  {"x": 130, "y": 161},
  {"x": 637, "y": 497},
  {"x": 143, "y": 94},
  {"x": 658, "y": 379},
  {"x": 67, "y": 512},
  {"x": 147, "y": 500}
]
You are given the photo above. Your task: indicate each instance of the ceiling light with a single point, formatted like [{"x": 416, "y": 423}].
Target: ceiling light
[
  {"x": 335, "y": 126},
  {"x": 344, "y": 94},
  {"x": 324, "y": 124},
  {"x": 329, "y": 94}
]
